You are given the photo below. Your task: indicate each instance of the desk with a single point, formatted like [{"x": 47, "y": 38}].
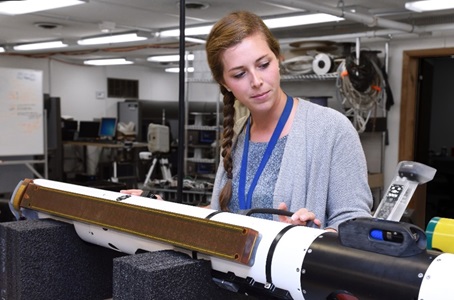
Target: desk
[
  {"x": 107, "y": 144},
  {"x": 121, "y": 153}
]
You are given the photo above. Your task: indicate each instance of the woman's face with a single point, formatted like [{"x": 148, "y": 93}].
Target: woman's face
[{"x": 251, "y": 72}]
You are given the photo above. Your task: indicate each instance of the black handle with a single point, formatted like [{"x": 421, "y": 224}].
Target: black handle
[{"x": 272, "y": 211}]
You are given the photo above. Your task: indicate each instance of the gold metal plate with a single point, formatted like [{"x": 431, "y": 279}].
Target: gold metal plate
[{"x": 205, "y": 236}]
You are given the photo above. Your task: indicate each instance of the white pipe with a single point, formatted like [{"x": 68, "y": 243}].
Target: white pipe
[
  {"x": 370, "y": 34},
  {"x": 437, "y": 27},
  {"x": 369, "y": 20},
  {"x": 342, "y": 37},
  {"x": 386, "y": 67},
  {"x": 358, "y": 49}
]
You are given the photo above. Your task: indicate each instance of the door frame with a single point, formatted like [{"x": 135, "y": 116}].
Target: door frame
[{"x": 408, "y": 117}]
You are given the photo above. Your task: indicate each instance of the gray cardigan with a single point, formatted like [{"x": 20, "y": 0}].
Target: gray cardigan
[{"x": 323, "y": 167}]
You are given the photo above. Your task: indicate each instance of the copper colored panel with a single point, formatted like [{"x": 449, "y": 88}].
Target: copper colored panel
[{"x": 196, "y": 234}]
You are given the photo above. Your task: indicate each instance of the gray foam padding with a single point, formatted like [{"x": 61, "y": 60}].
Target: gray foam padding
[
  {"x": 166, "y": 275},
  {"x": 45, "y": 259}
]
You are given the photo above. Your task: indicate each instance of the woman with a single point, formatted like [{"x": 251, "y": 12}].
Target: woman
[{"x": 287, "y": 153}]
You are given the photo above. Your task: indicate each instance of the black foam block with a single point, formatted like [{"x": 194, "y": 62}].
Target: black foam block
[
  {"x": 45, "y": 259},
  {"x": 165, "y": 275}
]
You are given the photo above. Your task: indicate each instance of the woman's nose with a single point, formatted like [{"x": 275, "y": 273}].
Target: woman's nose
[{"x": 256, "y": 79}]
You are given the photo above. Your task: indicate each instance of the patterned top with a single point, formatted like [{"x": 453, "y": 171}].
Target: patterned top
[{"x": 263, "y": 192}]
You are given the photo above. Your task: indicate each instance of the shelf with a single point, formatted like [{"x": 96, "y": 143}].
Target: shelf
[
  {"x": 201, "y": 160},
  {"x": 289, "y": 77},
  {"x": 202, "y": 146},
  {"x": 201, "y": 127},
  {"x": 284, "y": 77},
  {"x": 191, "y": 196}
]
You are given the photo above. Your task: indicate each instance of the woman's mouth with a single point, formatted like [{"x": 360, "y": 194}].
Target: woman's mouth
[{"x": 258, "y": 96}]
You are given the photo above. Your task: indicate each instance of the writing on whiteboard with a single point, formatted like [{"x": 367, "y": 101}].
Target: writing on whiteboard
[{"x": 21, "y": 112}]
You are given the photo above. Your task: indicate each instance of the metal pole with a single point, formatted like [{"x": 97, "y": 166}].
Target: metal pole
[
  {"x": 181, "y": 99},
  {"x": 46, "y": 154}
]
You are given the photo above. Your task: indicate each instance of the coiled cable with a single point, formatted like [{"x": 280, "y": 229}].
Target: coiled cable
[{"x": 361, "y": 88}]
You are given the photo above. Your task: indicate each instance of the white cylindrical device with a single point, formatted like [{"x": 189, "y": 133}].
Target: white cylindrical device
[{"x": 368, "y": 259}]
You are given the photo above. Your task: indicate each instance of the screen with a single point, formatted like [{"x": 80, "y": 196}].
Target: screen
[
  {"x": 88, "y": 129},
  {"x": 108, "y": 127}
]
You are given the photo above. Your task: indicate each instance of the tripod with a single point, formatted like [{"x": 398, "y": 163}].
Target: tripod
[{"x": 165, "y": 170}]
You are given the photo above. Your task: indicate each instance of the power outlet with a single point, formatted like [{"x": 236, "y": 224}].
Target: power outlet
[{"x": 100, "y": 95}]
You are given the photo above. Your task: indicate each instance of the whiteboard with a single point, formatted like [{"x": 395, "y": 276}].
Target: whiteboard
[{"x": 21, "y": 112}]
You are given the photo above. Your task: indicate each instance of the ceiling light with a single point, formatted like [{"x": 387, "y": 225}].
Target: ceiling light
[
  {"x": 2, "y": 49},
  {"x": 428, "y": 5},
  {"x": 107, "y": 62},
  {"x": 300, "y": 20},
  {"x": 271, "y": 23},
  {"x": 194, "y": 40},
  {"x": 168, "y": 58},
  {"x": 29, "y": 6},
  {"x": 112, "y": 39},
  {"x": 41, "y": 45},
  {"x": 177, "y": 70},
  {"x": 200, "y": 30}
]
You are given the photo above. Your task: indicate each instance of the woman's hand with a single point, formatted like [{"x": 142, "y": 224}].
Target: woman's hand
[
  {"x": 138, "y": 192},
  {"x": 301, "y": 217},
  {"x": 132, "y": 192}
]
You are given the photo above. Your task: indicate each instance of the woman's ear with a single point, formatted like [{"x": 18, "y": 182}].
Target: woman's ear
[{"x": 227, "y": 88}]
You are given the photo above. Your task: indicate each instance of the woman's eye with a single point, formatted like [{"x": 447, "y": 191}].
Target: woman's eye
[
  {"x": 264, "y": 65},
  {"x": 239, "y": 75}
]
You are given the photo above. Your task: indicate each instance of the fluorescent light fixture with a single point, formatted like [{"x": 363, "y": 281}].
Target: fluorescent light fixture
[
  {"x": 177, "y": 70},
  {"x": 2, "y": 49},
  {"x": 300, "y": 20},
  {"x": 107, "y": 62},
  {"x": 429, "y": 5},
  {"x": 200, "y": 30},
  {"x": 112, "y": 39},
  {"x": 29, "y": 6},
  {"x": 168, "y": 58},
  {"x": 194, "y": 40},
  {"x": 39, "y": 46},
  {"x": 271, "y": 23}
]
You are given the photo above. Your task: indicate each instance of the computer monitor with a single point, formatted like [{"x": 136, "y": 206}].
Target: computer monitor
[
  {"x": 108, "y": 128},
  {"x": 88, "y": 130}
]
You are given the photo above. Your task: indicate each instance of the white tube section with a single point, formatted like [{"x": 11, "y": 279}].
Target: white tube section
[{"x": 437, "y": 282}]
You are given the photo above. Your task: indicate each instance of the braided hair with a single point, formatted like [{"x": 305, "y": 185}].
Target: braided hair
[{"x": 226, "y": 33}]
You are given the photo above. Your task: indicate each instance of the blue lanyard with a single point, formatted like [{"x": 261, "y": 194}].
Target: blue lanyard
[{"x": 246, "y": 200}]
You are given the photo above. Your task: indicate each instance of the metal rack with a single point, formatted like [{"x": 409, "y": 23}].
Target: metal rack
[{"x": 328, "y": 76}]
